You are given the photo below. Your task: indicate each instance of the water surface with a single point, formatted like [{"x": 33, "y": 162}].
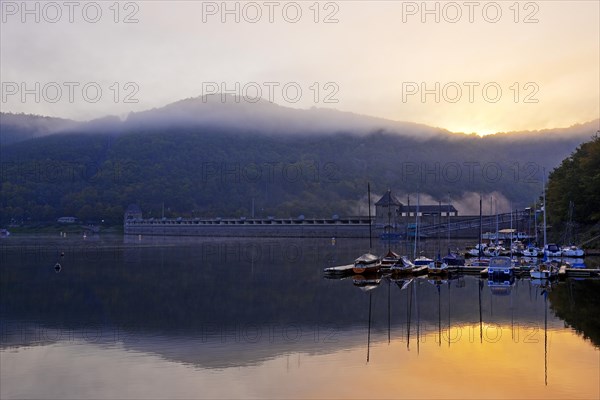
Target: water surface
[{"x": 239, "y": 318}]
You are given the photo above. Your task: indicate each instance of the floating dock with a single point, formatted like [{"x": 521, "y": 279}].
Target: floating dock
[
  {"x": 578, "y": 273},
  {"x": 563, "y": 273},
  {"x": 342, "y": 270}
]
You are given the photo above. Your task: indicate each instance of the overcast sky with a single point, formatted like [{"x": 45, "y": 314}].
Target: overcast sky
[{"x": 373, "y": 58}]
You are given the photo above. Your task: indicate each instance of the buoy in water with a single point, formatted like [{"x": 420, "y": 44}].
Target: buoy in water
[{"x": 57, "y": 267}]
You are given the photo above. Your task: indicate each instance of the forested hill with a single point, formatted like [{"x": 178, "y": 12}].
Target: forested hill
[
  {"x": 209, "y": 167},
  {"x": 577, "y": 181}
]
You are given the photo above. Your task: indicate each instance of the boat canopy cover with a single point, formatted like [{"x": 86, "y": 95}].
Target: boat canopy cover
[
  {"x": 500, "y": 262},
  {"x": 366, "y": 258}
]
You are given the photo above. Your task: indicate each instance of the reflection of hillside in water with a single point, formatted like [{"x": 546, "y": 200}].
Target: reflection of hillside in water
[
  {"x": 577, "y": 302},
  {"x": 207, "y": 305}
]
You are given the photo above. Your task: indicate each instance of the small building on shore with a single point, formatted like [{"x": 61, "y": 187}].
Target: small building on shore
[
  {"x": 387, "y": 210},
  {"x": 391, "y": 213}
]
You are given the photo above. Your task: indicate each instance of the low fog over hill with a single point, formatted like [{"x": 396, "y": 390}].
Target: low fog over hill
[{"x": 213, "y": 157}]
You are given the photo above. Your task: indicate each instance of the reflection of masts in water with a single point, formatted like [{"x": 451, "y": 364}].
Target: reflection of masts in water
[
  {"x": 512, "y": 315},
  {"x": 418, "y": 317},
  {"x": 448, "y": 222},
  {"x": 369, "y": 330},
  {"x": 491, "y": 306},
  {"x": 439, "y": 315},
  {"x": 409, "y": 314},
  {"x": 546, "y": 338},
  {"x": 389, "y": 321},
  {"x": 480, "y": 316},
  {"x": 449, "y": 313}
]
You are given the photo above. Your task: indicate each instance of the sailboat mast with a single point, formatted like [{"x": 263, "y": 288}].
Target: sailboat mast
[
  {"x": 535, "y": 222},
  {"x": 439, "y": 241},
  {"x": 480, "y": 225},
  {"x": 389, "y": 220},
  {"x": 448, "y": 222},
  {"x": 416, "y": 228},
  {"x": 544, "y": 196},
  {"x": 407, "y": 219},
  {"x": 370, "y": 229},
  {"x": 511, "y": 231}
]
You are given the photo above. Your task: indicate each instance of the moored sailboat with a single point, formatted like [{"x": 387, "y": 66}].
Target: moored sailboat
[
  {"x": 543, "y": 270},
  {"x": 437, "y": 267},
  {"x": 572, "y": 251},
  {"x": 552, "y": 250},
  {"x": 403, "y": 267},
  {"x": 367, "y": 263}
]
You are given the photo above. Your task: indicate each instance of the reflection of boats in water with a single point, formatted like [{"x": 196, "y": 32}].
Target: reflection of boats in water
[
  {"x": 402, "y": 283},
  {"x": 367, "y": 264},
  {"x": 339, "y": 271},
  {"x": 366, "y": 284},
  {"x": 501, "y": 286},
  {"x": 438, "y": 282}
]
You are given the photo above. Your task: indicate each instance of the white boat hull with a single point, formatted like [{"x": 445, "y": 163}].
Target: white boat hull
[{"x": 572, "y": 253}]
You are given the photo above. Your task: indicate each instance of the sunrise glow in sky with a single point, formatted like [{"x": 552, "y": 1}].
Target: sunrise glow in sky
[{"x": 468, "y": 67}]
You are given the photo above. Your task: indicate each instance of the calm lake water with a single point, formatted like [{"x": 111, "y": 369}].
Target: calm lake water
[{"x": 238, "y": 318}]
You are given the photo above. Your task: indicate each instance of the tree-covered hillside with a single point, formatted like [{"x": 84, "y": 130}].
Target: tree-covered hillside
[
  {"x": 209, "y": 172},
  {"x": 576, "y": 180}
]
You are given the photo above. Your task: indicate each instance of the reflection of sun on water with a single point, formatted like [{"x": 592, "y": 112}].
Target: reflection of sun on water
[
  {"x": 504, "y": 363},
  {"x": 507, "y": 363}
]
